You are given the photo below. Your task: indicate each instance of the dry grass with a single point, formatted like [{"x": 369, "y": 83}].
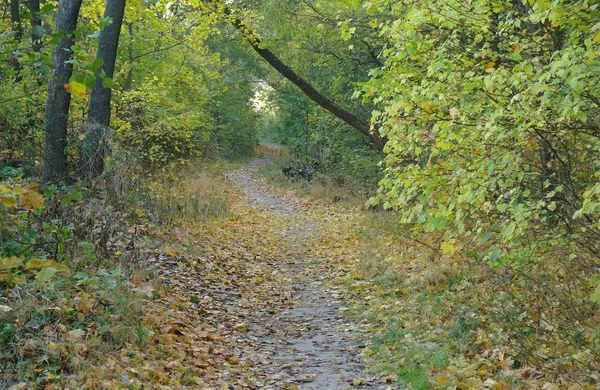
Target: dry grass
[
  {"x": 322, "y": 188},
  {"x": 190, "y": 195}
]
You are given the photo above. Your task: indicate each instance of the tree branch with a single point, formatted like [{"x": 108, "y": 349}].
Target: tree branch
[{"x": 350, "y": 118}]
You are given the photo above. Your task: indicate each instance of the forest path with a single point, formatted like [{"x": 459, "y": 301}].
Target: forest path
[
  {"x": 256, "y": 298},
  {"x": 310, "y": 344}
]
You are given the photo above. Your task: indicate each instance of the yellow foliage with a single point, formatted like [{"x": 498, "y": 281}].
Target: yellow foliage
[
  {"x": 32, "y": 200},
  {"x": 8, "y": 200},
  {"x": 28, "y": 196},
  {"x": 76, "y": 89},
  {"x": 488, "y": 64}
]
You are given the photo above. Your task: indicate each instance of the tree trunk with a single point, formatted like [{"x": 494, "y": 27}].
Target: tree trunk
[
  {"x": 59, "y": 100},
  {"x": 36, "y": 20},
  {"x": 15, "y": 19},
  {"x": 129, "y": 80},
  {"x": 328, "y": 104},
  {"x": 98, "y": 119}
]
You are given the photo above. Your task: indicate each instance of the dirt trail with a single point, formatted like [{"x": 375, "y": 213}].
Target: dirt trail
[{"x": 309, "y": 344}]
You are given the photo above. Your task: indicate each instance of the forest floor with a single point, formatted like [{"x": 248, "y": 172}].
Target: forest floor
[
  {"x": 270, "y": 293},
  {"x": 233, "y": 277}
]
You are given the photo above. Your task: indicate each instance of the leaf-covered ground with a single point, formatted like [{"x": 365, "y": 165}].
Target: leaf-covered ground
[
  {"x": 259, "y": 306},
  {"x": 253, "y": 284}
]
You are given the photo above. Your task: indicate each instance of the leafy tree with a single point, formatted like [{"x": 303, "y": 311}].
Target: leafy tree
[
  {"x": 488, "y": 107},
  {"x": 252, "y": 37}
]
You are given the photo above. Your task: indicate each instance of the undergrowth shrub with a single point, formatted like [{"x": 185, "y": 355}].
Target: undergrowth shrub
[
  {"x": 155, "y": 137},
  {"x": 65, "y": 261},
  {"x": 440, "y": 321}
]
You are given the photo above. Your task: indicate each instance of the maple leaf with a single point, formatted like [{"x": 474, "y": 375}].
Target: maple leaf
[{"x": 8, "y": 200}]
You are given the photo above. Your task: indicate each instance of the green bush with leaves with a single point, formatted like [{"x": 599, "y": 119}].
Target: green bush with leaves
[
  {"x": 20, "y": 232},
  {"x": 489, "y": 107},
  {"x": 156, "y": 137}
]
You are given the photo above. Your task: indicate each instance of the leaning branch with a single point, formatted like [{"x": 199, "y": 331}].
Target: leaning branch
[{"x": 350, "y": 118}]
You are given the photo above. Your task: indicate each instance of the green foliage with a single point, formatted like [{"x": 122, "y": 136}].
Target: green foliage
[
  {"x": 489, "y": 133},
  {"x": 313, "y": 136},
  {"x": 155, "y": 138},
  {"x": 333, "y": 49},
  {"x": 20, "y": 231},
  {"x": 234, "y": 119},
  {"x": 488, "y": 109}
]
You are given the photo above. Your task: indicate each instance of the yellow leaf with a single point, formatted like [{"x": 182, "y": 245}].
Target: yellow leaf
[
  {"x": 34, "y": 263},
  {"x": 448, "y": 248},
  {"x": 443, "y": 380},
  {"x": 32, "y": 187},
  {"x": 8, "y": 199},
  {"x": 8, "y": 278},
  {"x": 76, "y": 89},
  {"x": 233, "y": 359},
  {"x": 45, "y": 274},
  {"x": 57, "y": 266},
  {"x": 46, "y": 264},
  {"x": 32, "y": 200},
  {"x": 488, "y": 64},
  {"x": 11, "y": 262},
  {"x": 20, "y": 279}
]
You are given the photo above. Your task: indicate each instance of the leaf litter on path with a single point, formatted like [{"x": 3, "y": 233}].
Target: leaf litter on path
[{"x": 260, "y": 306}]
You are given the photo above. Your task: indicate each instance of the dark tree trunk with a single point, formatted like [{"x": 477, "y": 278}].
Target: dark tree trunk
[
  {"x": 129, "y": 80},
  {"x": 36, "y": 20},
  {"x": 15, "y": 18},
  {"x": 98, "y": 120},
  {"x": 328, "y": 104},
  {"x": 59, "y": 100}
]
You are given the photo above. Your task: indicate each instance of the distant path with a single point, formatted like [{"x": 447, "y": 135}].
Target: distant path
[{"x": 309, "y": 345}]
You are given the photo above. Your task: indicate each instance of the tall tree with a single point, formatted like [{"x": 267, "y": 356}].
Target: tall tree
[
  {"x": 59, "y": 100},
  {"x": 15, "y": 18},
  {"x": 98, "y": 120}
]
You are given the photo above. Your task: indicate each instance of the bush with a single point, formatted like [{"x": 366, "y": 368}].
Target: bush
[{"x": 157, "y": 138}]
